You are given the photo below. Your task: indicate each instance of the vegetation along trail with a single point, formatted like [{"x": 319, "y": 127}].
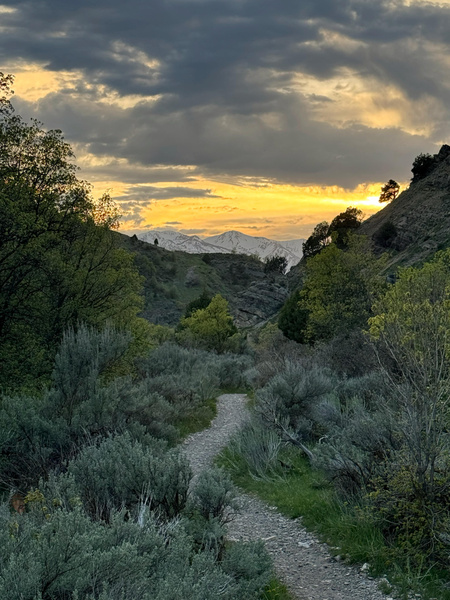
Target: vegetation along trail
[{"x": 301, "y": 561}]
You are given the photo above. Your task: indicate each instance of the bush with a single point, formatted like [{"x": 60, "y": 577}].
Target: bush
[
  {"x": 422, "y": 166},
  {"x": 259, "y": 447},
  {"x": 120, "y": 473},
  {"x": 385, "y": 235},
  {"x": 83, "y": 357},
  {"x": 417, "y": 528},
  {"x": 288, "y": 400}
]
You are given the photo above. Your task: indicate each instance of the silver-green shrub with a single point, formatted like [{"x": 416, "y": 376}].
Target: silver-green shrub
[
  {"x": 259, "y": 446},
  {"x": 122, "y": 473}
]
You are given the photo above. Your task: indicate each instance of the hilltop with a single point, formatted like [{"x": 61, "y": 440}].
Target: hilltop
[{"x": 417, "y": 223}]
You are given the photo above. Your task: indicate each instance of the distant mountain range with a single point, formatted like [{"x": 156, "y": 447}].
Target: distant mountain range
[{"x": 230, "y": 241}]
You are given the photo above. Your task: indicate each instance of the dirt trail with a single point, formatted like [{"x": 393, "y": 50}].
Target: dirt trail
[{"x": 303, "y": 564}]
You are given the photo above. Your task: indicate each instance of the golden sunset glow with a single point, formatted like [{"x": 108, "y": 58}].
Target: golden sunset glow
[{"x": 276, "y": 211}]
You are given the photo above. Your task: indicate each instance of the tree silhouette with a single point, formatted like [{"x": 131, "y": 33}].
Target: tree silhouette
[{"x": 389, "y": 191}]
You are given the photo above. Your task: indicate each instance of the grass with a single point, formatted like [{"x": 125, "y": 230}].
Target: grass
[
  {"x": 275, "y": 590},
  {"x": 347, "y": 528},
  {"x": 198, "y": 419}
]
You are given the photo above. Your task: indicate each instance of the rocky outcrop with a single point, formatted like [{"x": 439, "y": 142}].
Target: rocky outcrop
[{"x": 260, "y": 302}]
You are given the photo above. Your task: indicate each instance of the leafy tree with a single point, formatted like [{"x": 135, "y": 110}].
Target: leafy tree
[
  {"x": 211, "y": 327},
  {"x": 319, "y": 238},
  {"x": 276, "y": 264},
  {"x": 422, "y": 166},
  {"x": 344, "y": 223},
  {"x": 201, "y": 302},
  {"x": 293, "y": 318},
  {"x": 339, "y": 289},
  {"x": 411, "y": 323},
  {"x": 389, "y": 191},
  {"x": 59, "y": 258}
]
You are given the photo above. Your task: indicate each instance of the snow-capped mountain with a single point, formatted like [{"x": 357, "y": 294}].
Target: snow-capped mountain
[
  {"x": 173, "y": 240},
  {"x": 230, "y": 241}
]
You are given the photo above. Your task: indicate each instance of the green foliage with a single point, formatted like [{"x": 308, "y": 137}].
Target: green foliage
[
  {"x": 389, "y": 191},
  {"x": 385, "y": 235},
  {"x": 417, "y": 527},
  {"x": 209, "y": 327},
  {"x": 214, "y": 495},
  {"x": 422, "y": 166},
  {"x": 61, "y": 553},
  {"x": 275, "y": 590},
  {"x": 319, "y": 239},
  {"x": 339, "y": 289},
  {"x": 259, "y": 446},
  {"x": 293, "y": 318},
  {"x": 83, "y": 356},
  {"x": 276, "y": 264},
  {"x": 120, "y": 472},
  {"x": 203, "y": 301},
  {"x": 411, "y": 323},
  {"x": 59, "y": 262},
  {"x": 288, "y": 401},
  {"x": 343, "y": 224}
]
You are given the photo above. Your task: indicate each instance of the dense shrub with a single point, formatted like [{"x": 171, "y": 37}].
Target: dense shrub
[
  {"x": 288, "y": 400},
  {"x": 417, "y": 527},
  {"x": 385, "y": 235},
  {"x": 57, "y": 553},
  {"x": 121, "y": 473}
]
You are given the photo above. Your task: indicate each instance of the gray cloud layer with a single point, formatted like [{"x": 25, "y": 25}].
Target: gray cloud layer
[{"x": 217, "y": 80}]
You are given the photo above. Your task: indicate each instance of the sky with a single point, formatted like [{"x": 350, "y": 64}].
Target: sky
[{"x": 265, "y": 116}]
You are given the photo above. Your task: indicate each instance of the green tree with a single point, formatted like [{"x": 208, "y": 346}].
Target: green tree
[
  {"x": 319, "y": 238},
  {"x": 211, "y": 327},
  {"x": 339, "y": 289},
  {"x": 389, "y": 191},
  {"x": 343, "y": 224},
  {"x": 60, "y": 261},
  {"x": 293, "y": 318}
]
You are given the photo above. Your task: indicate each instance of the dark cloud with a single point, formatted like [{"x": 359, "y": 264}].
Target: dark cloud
[
  {"x": 145, "y": 194},
  {"x": 218, "y": 85}
]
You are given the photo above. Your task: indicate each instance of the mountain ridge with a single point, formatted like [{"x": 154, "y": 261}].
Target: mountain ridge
[{"x": 228, "y": 242}]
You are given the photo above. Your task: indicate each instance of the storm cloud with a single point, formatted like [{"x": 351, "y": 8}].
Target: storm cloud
[{"x": 239, "y": 88}]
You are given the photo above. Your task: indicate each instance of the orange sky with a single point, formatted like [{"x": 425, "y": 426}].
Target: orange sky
[{"x": 270, "y": 210}]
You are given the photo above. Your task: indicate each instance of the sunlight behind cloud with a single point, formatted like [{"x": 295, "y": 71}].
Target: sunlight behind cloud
[
  {"x": 349, "y": 99},
  {"x": 272, "y": 210}
]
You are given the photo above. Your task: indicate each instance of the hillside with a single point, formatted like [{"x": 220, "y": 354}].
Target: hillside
[
  {"x": 417, "y": 223},
  {"x": 172, "y": 279}
]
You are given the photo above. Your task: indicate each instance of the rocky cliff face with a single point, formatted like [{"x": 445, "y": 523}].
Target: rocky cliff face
[
  {"x": 260, "y": 302},
  {"x": 417, "y": 223}
]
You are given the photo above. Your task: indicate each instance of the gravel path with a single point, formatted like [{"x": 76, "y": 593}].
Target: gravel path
[{"x": 303, "y": 564}]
